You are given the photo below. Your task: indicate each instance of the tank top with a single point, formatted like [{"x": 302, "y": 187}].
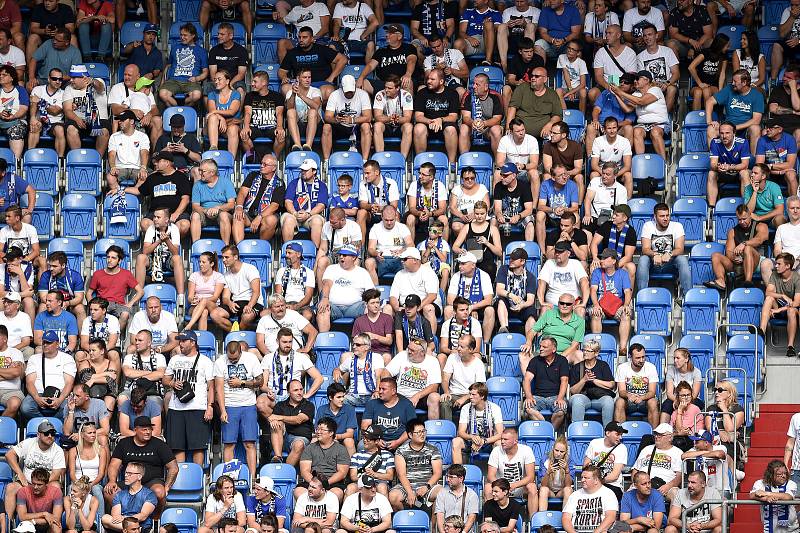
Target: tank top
[
  {"x": 708, "y": 70},
  {"x": 87, "y": 467},
  {"x": 487, "y": 263},
  {"x": 740, "y": 235}
]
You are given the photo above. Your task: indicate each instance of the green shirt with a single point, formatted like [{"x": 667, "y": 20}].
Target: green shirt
[
  {"x": 536, "y": 111},
  {"x": 766, "y": 200},
  {"x": 565, "y": 333}
]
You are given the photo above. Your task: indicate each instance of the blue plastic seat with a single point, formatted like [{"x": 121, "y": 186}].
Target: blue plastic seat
[
  {"x": 441, "y": 433},
  {"x": 225, "y": 163},
  {"x": 189, "y": 485},
  {"x": 542, "y": 518},
  {"x": 43, "y": 216},
  {"x": 641, "y": 212},
  {"x": 79, "y": 217},
  {"x": 184, "y": 518},
  {"x": 497, "y": 78},
  {"x": 579, "y": 434},
  {"x": 6, "y": 477},
  {"x": 540, "y": 436},
  {"x": 693, "y": 174},
  {"x": 265, "y": 41},
  {"x": 73, "y": 248},
  {"x": 258, "y": 253},
  {"x": 734, "y": 33},
  {"x": 129, "y": 231},
  {"x": 285, "y": 478},
  {"x": 645, "y": 166},
  {"x": 320, "y": 397},
  {"x": 84, "y": 169},
  {"x": 746, "y": 351},
  {"x": 534, "y": 261},
  {"x": 773, "y": 9},
  {"x": 291, "y": 166},
  {"x": 239, "y": 33},
  {"x": 608, "y": 347},
  {"x": 345, "y": 163},
  {"x": 725, "y": 217},
  {"x": 165, "y": 292},
  {"x": 701, "y": 310},
  {"x": 482, "y": 162},
  {"x": 694, "y": 132},
  {"x": 506, "y": 393},
  {"x": 474, "y": 479},
  {"x": 40, "y": 168},
  {"x": 207, "y": 344},
  {"x": 186, "y": 10},
  {"x": 700, "y": 261},
  {"x": 692, "y": 213},
  {"x": 393, "y": 165},
  {"x": 309, "y": 252},
  {"x": 744, "y": 307},
  {"x": 132, "y": 30},
  {"x": 32, "y": 426},
  {"x": 189, "y": 115},
  {"x": 576, "y": 122},
  {"x": 654, "y": 311},
  {"x": 505, "y": 355},
  {"x": 633, "y": 438},
  {"x": 353, "y": 70},
  {"x": 9, "y": 434},
  {"x": 242, "y": 482},
  {"x": 102, "y": 245},
  {"x": 247, "y": 336},
  {"x": 439, "y": 160},
  {"x": 328, "y": 348},
  {"x": 204, "y": 245},
  {"x": 411, "y": 521},
  {"x": 655, "y": 348}
]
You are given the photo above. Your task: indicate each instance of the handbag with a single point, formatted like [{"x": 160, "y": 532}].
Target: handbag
[
  {"x": 51, "y": 391},
  {"x": 99, "y": 390},
  {"x": 609, "y": 302},
  {"x": 472, "y": 245},
  {"x": 186, "y": 394}
]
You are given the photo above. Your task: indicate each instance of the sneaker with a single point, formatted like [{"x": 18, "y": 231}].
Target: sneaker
[
  {"x": 307, "y": 147},
  {"x": 297, "y": 148},
  {"x": 791, "y": 352},
  {"x": 276, "y": 459}
]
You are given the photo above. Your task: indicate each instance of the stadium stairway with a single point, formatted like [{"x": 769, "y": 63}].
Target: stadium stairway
[{"x": 766, "y": 443}]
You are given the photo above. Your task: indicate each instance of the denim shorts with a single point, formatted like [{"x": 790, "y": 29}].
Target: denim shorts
[
  {"x": 242, "y": 422},
  {"x": 389, "y": 265},
  {"x": 288, "y": 439},
  {"x": 547, "y": 403}
]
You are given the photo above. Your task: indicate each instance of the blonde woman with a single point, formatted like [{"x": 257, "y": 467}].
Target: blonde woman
[
  {"x": 557, "y": 474},
  {"x": 80, "y": 506},
  {"x": 88, "y": 459},
  {"x": 726, "y": 419}
]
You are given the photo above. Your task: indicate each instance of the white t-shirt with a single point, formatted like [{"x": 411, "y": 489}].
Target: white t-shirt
[
  {"x": 348, "y": 285},
  {"x": 55, "y": 368},
  {"x": 795, "y": 31},
  {"x": 597, "y": 450},
  {"x": 438, "y": 192},
  {"x": 295, "y": 281},
  {"x": 463, "y": 286},
  {"x": 666, "y": 463},
  {"x": 611, "y": 152},
  {"x": 663, "y": 241},
  {"x": 654, "y": 112},
  {"x": 23, "y": 239},
  {"x": 131, "y": 361},
  {"x": 452, "y": 330},
  {"x": 166, "y": 324},
  {"x": 8, "y": 358},
  {"x": 180, "y": 369},
  {"x": 562, "y": 280},
  {"x": 57, "y": 98},
  {"x": 356, "y": 18},
  {"x": 130, "y": 98},
  {"x": 716, "y": 470},
  {"x": 484, "y": 421},
  {"x": 700, "y": 514},
  {"x": 788, "y": 235},
  {"x": 634, "y": 22},
  {"x": 627, "y": 59},
  {"x": 518, "y": 153},
  {"x": 14, "y": 58},
  {"x": 269, "y": 326},
  {"x": 636, "y": 382},
  {"x": 349, "y": 234},
  {"x": 774, "y": 515},
  {"x": 588, "y": 510},
  {"x": 239, "y": 283},
  {"x": 32, "y": 456},
  {"x": 422, "y": 283},
  {"x": 793, "y": 432},
  {"x": 305, "y": 506},
  {"x": 389, "y": 240},
  {"x": 374, "y": 194},
  {"x": 341, "y": 106},
  {"x": 597, "y": 28},
  {"x": 576, "y": 69},
  {"x": 658, "y": 63},
  {"x": 80, "y": 102},
  {"x": 294, "y": 365},
  {"x": 172, "y": 230},
  {"x": 128, "y": 148},
  {"x": 369, "y": 513},
  {"x": 308, "y": 16},
  {"x": 413, "y": 377},
  {"x": 302, "y": 107},
  {"x": 462, "y": 376},
  {"x": 110, "y": 326},
  {"x": 246, "y": 368},
  {"x": 18, "y": 327},
  {"x": 373, "y": 361},
  {"x": 530, "y": 15},
  {"x": 606, "y": 197},
  {"x": 512, "y": 469},
  {"x": 404, "y": 101},
  {"x": 215, "y": 506}
]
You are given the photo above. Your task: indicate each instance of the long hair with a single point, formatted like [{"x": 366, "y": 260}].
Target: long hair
[
  {"x": 714, "y": 51},
  {"x": 552, "y": 457},
  {"x": 753, "y": 49},
  {"x": 219, "y": 484},
  {"x": 769, "y": 474},
  {"x": 688, "y": 355},
  {"x": 95, "y": 444}
]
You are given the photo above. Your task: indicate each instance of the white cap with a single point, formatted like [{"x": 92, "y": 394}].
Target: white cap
[
  {"x": 267, "y": 483},
  {"x": 308, "y": 164},
  {"x": 348, "y": 83},
  {"x": 26, "y": 526},
  {"x": 411, "y": 252},
  {"x": 664, "y": 429},
  {"x": 467, "y": 257}
]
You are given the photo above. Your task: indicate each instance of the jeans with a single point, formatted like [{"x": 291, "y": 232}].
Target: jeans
[
  {"x": 30, "y": 409},
  {"x": 85, "y": 37},
  {"x": 579, "y": 403},
  {"x": 681, "y": 263}
]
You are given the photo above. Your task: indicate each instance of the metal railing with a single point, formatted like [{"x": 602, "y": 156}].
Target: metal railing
[{"x": 725, "y": 505}]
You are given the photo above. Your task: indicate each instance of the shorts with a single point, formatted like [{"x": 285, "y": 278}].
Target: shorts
[
  {"x": 400, "y": 488},
  {"x": 666, "y": 126},
  {"x": 288, "y": 439},
  {"x": 7, "y": 394},
  {"x": 470, "y": 50},
  {"x": 389, "y": 265},
  {"x": 181, "y": 87},
  {"x": 242, "y": 425},
  {"x": 125, "y": 175},
  {"x": 155, "y": 481},
  {"x": 636, "y": 408},
  {"x": 204, "y": 217},
  {"x": 548, "y": 404},
  {"x": 118, "y": 309},
  {"x": 357, "y": 46},
  {"x": 307, "y": 224},
  {"x": 524, "y": 314},
  {"x": 186, "y": 430},
  {"x": 87, "y": 131},
  {"x": 788, "y": 51},
  {"x": 422, "y": 403},
  {"x": 50, "y": 129},
  {"x": 357, "y": 400},
  {"x": 257, "y": 308},
  {"x": 16, "y": 130},
  {"x": 262, "y": 133},
  {"x": 347, "y": 311},
  {"x": 550, "y": 50},
  {"x": 343, "y": 133},
  {"x": 392, "y": 131},
  {"x": 439, "y": 135},
  {"x": 183, "y": 216},
  {"x": 737, "y": 5}
]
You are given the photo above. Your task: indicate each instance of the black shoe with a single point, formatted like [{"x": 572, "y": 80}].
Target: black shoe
[
  {"x": 276, "y": 459},
  {"x": 791, "y": 352},
  {"x": 748, "y": 285}
]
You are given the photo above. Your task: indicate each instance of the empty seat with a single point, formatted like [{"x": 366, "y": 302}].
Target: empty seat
[
  {"x": 441, "y": 433},
  {"x": 692, "y": 213},
  {"x": 694, "y": 132},
  {"x": 258, "y": 253},
  {"x": 506, "y": 393},
  {"x": 701, "y": 310},
  {"x": 84, "y": 169},
  {"x": 700, "y": 261},
  {"x": 746, "y": 351},
  {"x": 693, "y": 174},
  {"x": 43, "y": 215},
  {"x": 411, "y": 521},
  {"x": 207, "y": 344},
  {"x": 505, "y": 355},
  {"x": 189, "y": 486},
  {"x": 127, "y": 230},
  {"x": 576, "y": 122},
  {"x": 328, "y": 348},
  {"x": 654, "y": 311},
  {"x": 79, "y": 217},
  {"x": 744, "y": 308},
  {"x": 265, "y": 41},
  {"x": 184, "y": 518},
  {"x": 646, "y": 166},
  {"x": 40, "y": 168}
]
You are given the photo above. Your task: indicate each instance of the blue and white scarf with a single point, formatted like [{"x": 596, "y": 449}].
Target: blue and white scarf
[
  {"x": 266, "y": 198},
  {"x": 475, "y": 292},
  {"x": 617, "y": 242},
  {"x": 379, "y": 195},
  {"x": 281, "y": 379},
  {"x": 119, "y": 204},
  {"x": 369, "y": 381}
]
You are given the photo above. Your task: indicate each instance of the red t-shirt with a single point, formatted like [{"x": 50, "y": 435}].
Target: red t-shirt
[
  {"x": 105, "y": 9},
  {"x": 113, "y": 287},
  {"x": 40, "y": 504},
  {"x": 9, "y": 14}
]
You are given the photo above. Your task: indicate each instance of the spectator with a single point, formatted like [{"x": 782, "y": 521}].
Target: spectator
[
  {"x": 374, "y": 323},
  {"x": 462, "y": 369},
  {"x": 280, "y": 316},
  {"x": 387, "y": 241},
  {"x": 81, "y": 506},
  {"x": 560, "y": 276},
  {"x": 228, "y": 56},
  {"x": 409, "y": 324},
  {"x": 600, "y": 454},
  {"x": 706, "y": 517},
  {"x": 637, "y": 18},
  {"x": 18, "y": 274},
  {"x": 474, "y": 285},
  {"x": 55, "y": 319},
  {"x": 17, "y": 233},
  {"x": 325, "y": 64},
  {"x": 390, "y": 412},
  {"x": 436, "y": 109},
  {"x": 303, "y": 105},
  {"x": 642, "y": 508},
  {"x": 326, "y": 456},
  {"x": 144, "y": 368},
  {"x": 161, "y": 324},
  {"x": 86, "y": 111},
  {"x": 306, "y": 199},
  {"x": 291, "y": 424},
  {"x": 354, "y": 30},
  {"x": 576, "y": 517},
  {"x": 13, "y": 118},
  {"x": 86, "y": 406},
  {"x": 242, "y": 301},
  {"x": 726, "y": 420},
  {"x": 662, "y": 249},
  {"x": 609, "y": 279},
  {"x": 730, "y": 160},
  {"x": 516, "y": 464},
  {"x": 363, "y": 369},
  {"x": 559, "y": 24},
  {"x": 342, "y": 414},
  {"x": 519, "y": 148},
  {"x": 224, "y": 504},
  {"x": 479, "y": 237},
  {"x": 536, "y": 104},
  {"x": 783, "y": 290},
  {"x": 419, "y": 469},
  {"x": 574, "y": 75},
  {"x": 606, "y": 105},
  {"x": 212, "y": 201},
  {"x": 477, "y": 31},
  {"x": 685, "y": 419},
  {"x": 516, "y": 291},
  {"x": 374, "y": 462},
  {"x": 161, "y": 253},
  {"x": 18, "y": 324},
  {"x": 59, "y": 276},
  {"x": 56, "y": 52},
  {"x": 15, "y": 188},
  {"x": 137, "y": 501},
  {"x": 789, "y": 38},
  {"x": 315, "y": 15},
  {"x": 481, "y": 116},
  {"x": 12, "y": 56},
  {"x": 297, "y": 281},
  {"x": 41, "y": 501},
  {"x": 224, "y": 112},
  {"x": 636, "y": 385},
  {"x": 500, "y": 510},
  {"x": 743, "y": 247},
  {"x": 545, "y": 383},
  {"x": 185, "y": 150},
  {"x": 652, "y": 116},
  {"x": 557, "y": 474},
  {"x": 139, "y": 404},
  {"x": 682, "y": 370},
  {"x": 46, "y": 115},
  {"x": 427, "y": 203},
  {"x": 564, "y": 325},
  {"x": 374, "y": 193},
  {"x": 569, "y": 233},
  {"x": 519, "y": 22},
  {"x": 348, "y": 116},
  {"x": 661, "y": 62},
  {"x": 708, "y": 69},
  {"x": 743, "y": 107},
  {"x": 48, "y": 387},
  {"x": 605, "y": 192},
  {"x": 316, "y": 508},
  {"x": 263, "y": 118},
  {"x": 480, "y": 425},
  {"x": 666, "y": 467},
  {"x": 463, "y": 198},
  {"x": 773, "y": 487},
  {"x": 691, "y": 27},
  {"x": 187, "y": 68},
  {"x": 367, "y": 506},
  {"x": 559, "y": 198},
  {"x": 778, "y": 150},
  {"x": 596, "y": 24},
  {"x": 265, "y": 503},
  {"x": 432, "y": 19},
  {"x": 418, "y": 376},
  {"x": 194, "y": 372},
  {"x": 451, "y": 501},
  {"x": 457, "y": 326},
  {"x": 615, "y": 149},
  {"x": 520, "y": 67},
  {"x": 95, "y": 24},
  {"x": 145, "y": 53},
  {"x": 750, "y": 58},
  {"x": 513, "y": 205},
  {"x": 591, "y": 385},
  {"x": 449, "y": 60},
  {"x": 611, "y": 62},
  {"x": 44, "y": 19},
  {"x": 11, "y": 371},
  {"x": 342, "y": 287},
  {"x": 780, "y": 100},
  {"x": 393, "y": 111}
]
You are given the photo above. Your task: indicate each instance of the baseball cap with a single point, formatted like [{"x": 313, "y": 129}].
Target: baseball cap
[
  {"x": 412, "y": 253},
  {"x": 151, "y": 28},
  {"x": 126, "y": 115},
  {"x": 187, "y": 336},
  {"x": 608, "y": 252},
  {"x": 375, "y": 432},
  {"x": 518, "y": 253},
  {"x": 12, "y": 297},
  {"x": 467, "y": 257},
  {"x": 163, "y": 154},
  {"x": 394, "y": 28},
  {"x": 366, "y": 482},
  {"x": 177, "y": 121},
  {"x": 348, "y": 83},
  {"x": 78, "y": 71},
  {"x": 412, "y": 300},
  {"x": 706, "y": 436},
  {"x": 509, "y": 168},
  {"x": 347, "y": 249},
  {"x": 772, "y": 122},
  {"x": 664, "y": 429},
  {"x": 143, "y": 82},
  {"x": 563, "y": 246},
  {"x": 624, "y": 209},
  {"x": 295, "y": 247},
  {"x": 45, "y": 426},
  {"x": 645, "y": 74},
  {"x": 266, "y": 483},
  {"x": 142, "y": 422},
  {"x": 614, "y": 426},
  {"x": 50, "y": 336},
  {"x": 308, "y": 164}
]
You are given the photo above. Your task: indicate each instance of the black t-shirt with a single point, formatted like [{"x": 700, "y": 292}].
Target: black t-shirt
[
  {"x": 166, "y": 191},
  {"x": 436, "y": 105},
  {"x": 278, "y": 193},
  {"x": 393, "y": 60},
  {"x": 188, "y": 140},
  {"x": 491, "y": 106},
  {"x": 155, "y": 455},
  {"x": 63, "y": 16},
  {"x": 420, "y": 327},
  {"x": 789, "y": 121},
  {"x": 601, "y": 371},
  {"x": 264, "y": 114},
  {"x": 513, "y": 202},
  {"x": 318, "y": 58},
  {"x": 578, "y": 237},
  {"x": 229, "y": 60},
  {"x": 523, "y": 71},
  {"x": 619, "y": 242},
  {"x": 502, "y": 516},
  {"x": 306, "y": 429},
  {"x": 690, "y": 26},
  {"x": 547, "y": 379},
  {"x": 432, "y": 17}
]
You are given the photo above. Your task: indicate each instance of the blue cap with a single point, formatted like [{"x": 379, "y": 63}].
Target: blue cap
[
  {"x": 706, "y": 436},
  {"x": 187, "y": 336},
  {"x": 295, "y": 246},
  {"x": 50, "y": 336},
  {"x": 348, "y": 250},
  {"x": 151, "y": 27},
  {"x": 509, "y": 168}
]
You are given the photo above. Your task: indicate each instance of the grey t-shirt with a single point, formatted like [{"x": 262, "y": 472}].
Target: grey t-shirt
[
  {"x": 325, "y": 460},
  {"x": 790, "y": 287},
  {"x": 419, "y": 463},
  {"x": 702, "y": 513},
  {"x": 449, "y": 504},
  {"x": 689, "y": 377},
  {"x": 96, "y": 411}
]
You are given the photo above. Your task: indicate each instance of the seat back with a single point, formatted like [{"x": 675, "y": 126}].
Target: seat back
[
  {"x": 127, "y": 230},
  {"x": 79, "y": 216},
  {"x": 204, "y": 245},
  {"x": 693, "y": 174},
  {"x": 33, "y": 425},
  {"x": 633, "y": 438},
  {"x": 534, "y": 261},
  {"x": 653, "y": 311},
  {"x": 441, "y": 433},
  {"x": 694, "y": 132},
  {"x": 608, "y": 347},
  {"x": 649, "y": 166},
  {"x": 239, "y": 33},
  {"x": 328, "y": 348},
  {"x": 207, "y": 344},
  {"x": 641, "y": 212},
  {"x": 579, "y": 434},
  {"x": 40, "y": 168},
  {"x": 656, "y": 349},
  {"x": 542, "y": 518},
  {"x": 744, "y": 307},
  {"x": 189, "y": 114},
  {"x": 43, "y": 216},
  {"x": 225, "y": 163},
  {"x": 265, "y": 41},
  {"x": 166, "y": 294},
  {"x": 184, "y": 518},
  {"x": 505, "y": 392},
  {"x": 725, "y": 217},
  {"x": 189, "y": 484},
  {"x": 345, "y": 163},
  {"x": 691, "y": 212},
  {"x": 73, "y": 248},
  {"x": 576, "y": 122},
  {"x": 700, "y": 261},
  {"x": 258, "y": 253},
  {"x": 84, "y": 170},
  {"x": 496, "y": 76},
  {"x": 540, "y": 436},
  {"x": 701, "y": 309}
]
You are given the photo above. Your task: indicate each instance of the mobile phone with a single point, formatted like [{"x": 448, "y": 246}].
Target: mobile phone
[{"x": 613, "y": 79}]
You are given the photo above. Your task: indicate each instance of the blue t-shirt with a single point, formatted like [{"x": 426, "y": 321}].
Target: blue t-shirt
[
  {"x": 63, "y": 324},
  {"x": 609, "y": 107},
  {"x": 337, "y": 201},
  {"x": 475, "y": 18},
  {"x": 733, "y": 156},
  {"x": 19, "y": 187},
  {"x": 276, "y": 505},
  {"x": 151, "y": 409},
  {"x": 739, "y": 108},
  {"x": 206, "y": 196},
  {"x": 214, "y": 97},
  {"x": 146, "y": 62},
  {"x": 133, "y": 503},
  {"x": 559, "y": 26},
  {"x": 615, "y": 284},
  {"x": 776, "y": 151},
  {"x": 186, "y": 62},
  {"x": 71, "y": 282},
  {"x": 391, "y": 420},
  {"x": 345, "y": 420},
  {"x": 566, "y": 196},
  {"x": 654, "y": 504},
  {"x": 305, "y": 196}
]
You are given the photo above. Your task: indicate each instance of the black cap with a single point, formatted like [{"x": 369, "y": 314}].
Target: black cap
[
  {"x": 563, "y": 246},
  {"x": 177, "y": 121},
  {"x": 366, "y": 481},
  {"x": 645, "y": 74},
  {"x": 614, "y": 426},
  {"x": 163, "y": 154},
  {"x": 412, "y": 300},
  {"x": 374, "y": 432},
  {"x": 394, "y": 28},
  {"x": 142, "y": 422},
  {"x": 126, "y": 115},
  {"x": 518, "y": 253},
  {"x": 772, "y": 122}
]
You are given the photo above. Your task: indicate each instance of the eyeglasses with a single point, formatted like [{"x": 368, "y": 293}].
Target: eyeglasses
[
  {"x": 565, "y": 303},
  {"x": 49, "y": 433},
  {"x": 360, "y": 344},
  {"x": 684, "y": 395},
  {"x": 419, "y": 432}
]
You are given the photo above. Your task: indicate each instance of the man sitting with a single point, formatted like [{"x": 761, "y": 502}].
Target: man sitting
[
  {"x": 291, "y": 425},
  {"x": 730, "y": 159},
  {"x": 763, "y": 197},
  {"x": 783, "y": 298},
  {"x": 419, "y": 469},
  {"x": 41, "y": 503},
  {"x": 137, "y": 501},
  {"x": 418, "y": 377},
  {"x": 516, "y": 291},
  {"x": 778, "y": 150},
  {"x": 744, "y": 247},
  {"x": 480, "y": 425},
  {"x": 636, "y": 385},
  {"x": 662, "y": 249},
  {"x": 545, "y": 383}
]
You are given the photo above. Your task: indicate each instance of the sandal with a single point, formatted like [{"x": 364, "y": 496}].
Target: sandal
[{"x": 714, "y": 285}]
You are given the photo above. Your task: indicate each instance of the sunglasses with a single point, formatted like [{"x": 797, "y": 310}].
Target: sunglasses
[
  {"x": 49, "y": 433},
  {"x": 56, "y": 79},
  {"x": 719, "y": 389},
  {"x": 565, "y": 303}
]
